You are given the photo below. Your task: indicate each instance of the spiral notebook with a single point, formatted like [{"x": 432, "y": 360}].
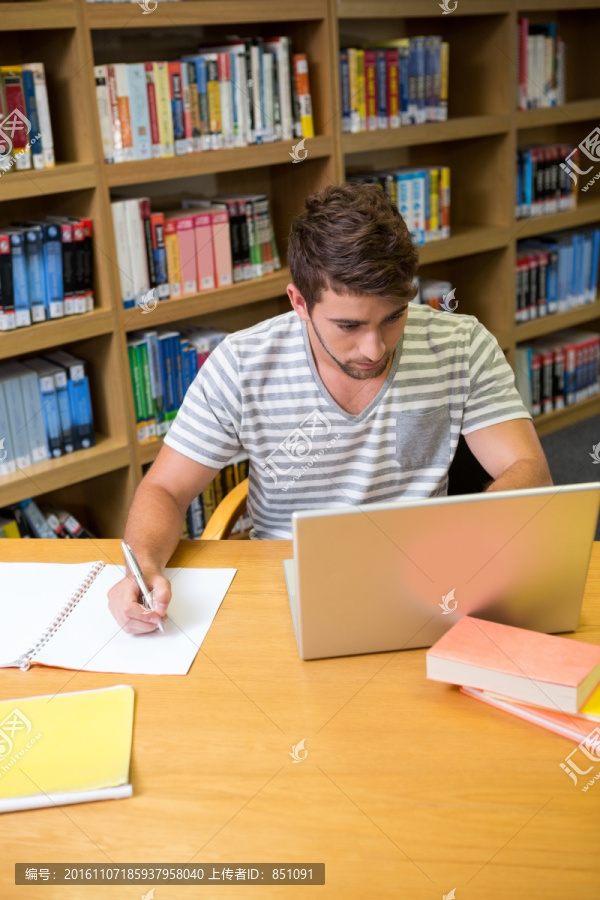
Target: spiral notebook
[{"x": 57, "y": 615}]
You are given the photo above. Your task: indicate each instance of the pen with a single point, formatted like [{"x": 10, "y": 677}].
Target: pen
[{"x": 137, "y": 574}]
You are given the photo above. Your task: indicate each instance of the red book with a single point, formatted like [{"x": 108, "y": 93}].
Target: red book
[
  {"x": 371, "y": 89},
  {"x": 542, "y": 669},
  {"x": 151, "y": 94},
  {"x": 16, "y": 120},
  {"x": 393, "y": 104}
]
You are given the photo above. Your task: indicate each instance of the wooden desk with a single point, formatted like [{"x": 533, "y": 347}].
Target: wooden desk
[{"x": 409, "y": 788}]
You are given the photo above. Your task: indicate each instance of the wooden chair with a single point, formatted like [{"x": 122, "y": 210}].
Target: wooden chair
[
  {"x": 465, "y": 476},
  {"x": 231, "y": 507}
]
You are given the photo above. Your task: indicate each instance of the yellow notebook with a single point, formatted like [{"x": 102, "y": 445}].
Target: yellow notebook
[{"x": 65, "y": 748}]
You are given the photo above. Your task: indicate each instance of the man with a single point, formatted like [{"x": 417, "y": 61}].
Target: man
[{"x": 355, "y": 396}]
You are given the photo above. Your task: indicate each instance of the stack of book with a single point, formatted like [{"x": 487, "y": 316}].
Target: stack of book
[
  {"x": 556, "y": 272},
  {"x": 207, "y": 244},
  {"x": 393, "y": 83},
  {"x": 45, "y": 410},
  {"x": 243, "y": 91},
  {"x": 422, "y": 196},
  {"x": 46, "y": 270},
  {"x": 547, "y": 680},
  {"x": 25, "y": 128},
  {"x": 543, "y": 185},
  {"x": 558, "y": 371},
  {"x": 163, "y": 364},
  {"x": 28, "y": 520},
  {"x": 541, "y": 54}
]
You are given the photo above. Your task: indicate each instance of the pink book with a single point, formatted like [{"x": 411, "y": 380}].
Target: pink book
[
  {"x": 568, "y": 726},
  {"x": 205, "y": 263},
  {"x": 187, "y": 253},
  {"x": 542, "y": 669},
  {"x": 222, "y": 247}
]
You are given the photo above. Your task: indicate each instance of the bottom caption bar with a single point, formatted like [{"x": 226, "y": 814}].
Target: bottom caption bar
[{"x": 232, "y": 873}]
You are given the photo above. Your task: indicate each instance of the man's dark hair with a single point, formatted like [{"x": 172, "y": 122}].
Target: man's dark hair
[{"x": 351, "y": 239}]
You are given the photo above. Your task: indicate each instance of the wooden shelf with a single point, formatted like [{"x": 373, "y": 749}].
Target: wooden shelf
[
  {"x": 108, "y": 454},
  {"x": 464, "y": 242},
  {"x": 37, "y": 15},
  {"x": 213, "y": 161},
  {"x": 584, "y": 214},
  {"x": 562, "y": 418},
  {"x": 59, "y": 331},
  {"x": 577, "y": 111},
  {"x": 176, "y": 310},
  {"x": 432, "y": 133},
  {"x": 203, "y": 12},
  {"x": 392, "y": 9},
  {"x": 528, "y": 331},
  {"x": 63, "y": 177}
]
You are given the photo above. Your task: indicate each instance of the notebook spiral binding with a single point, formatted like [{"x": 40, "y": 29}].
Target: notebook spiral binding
[{"x": 24, "y": 660}]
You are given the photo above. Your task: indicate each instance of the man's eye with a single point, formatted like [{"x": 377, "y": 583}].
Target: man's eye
[{"x": 346, "y": 327}]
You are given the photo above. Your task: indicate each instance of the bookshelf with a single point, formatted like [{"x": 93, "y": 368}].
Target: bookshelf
[{"x": 478, "y": 141}]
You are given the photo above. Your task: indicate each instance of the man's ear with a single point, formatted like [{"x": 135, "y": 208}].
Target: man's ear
[{"x": 298, "y": 302}]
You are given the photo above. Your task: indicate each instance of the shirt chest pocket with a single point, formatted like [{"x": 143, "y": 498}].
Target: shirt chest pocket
[{"x": 423, "y": 439}]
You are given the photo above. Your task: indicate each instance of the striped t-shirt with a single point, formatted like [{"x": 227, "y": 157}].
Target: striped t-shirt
[{"x": 260, "y": 391}]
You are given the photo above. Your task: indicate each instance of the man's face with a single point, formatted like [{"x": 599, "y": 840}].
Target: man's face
[{"x": 359, "y": 333}]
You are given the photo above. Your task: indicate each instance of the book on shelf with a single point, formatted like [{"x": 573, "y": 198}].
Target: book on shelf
[
  {"x": 558, "y": 370},
  {"x": 392, "y": 83},
  {"x": 543, "y": 185},
  {"x": 435, "y": 293},
  {"x": 556, "y": 272},
  {"x": 210, "y": 242},
  {"x": 45, "y": 410},
  {"x": 422, "y": 197},
  {"x": 203, "y": 506},
  {"x": 25, "y": 129},
  {"x": 541, "y": 65},
  {"x": 46, "y": 270},
  {"x": 31, "y": 519},
  {"x": 544, "y": 670},
  {"x": 162, "y": 366},
  {"x": 241, "y": 92}
]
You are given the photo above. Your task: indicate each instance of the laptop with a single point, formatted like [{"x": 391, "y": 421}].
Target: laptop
[{"x": 397, "y": 575}]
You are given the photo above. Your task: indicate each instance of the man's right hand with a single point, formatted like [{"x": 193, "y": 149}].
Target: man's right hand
[{"x": 123, "y": 602}]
